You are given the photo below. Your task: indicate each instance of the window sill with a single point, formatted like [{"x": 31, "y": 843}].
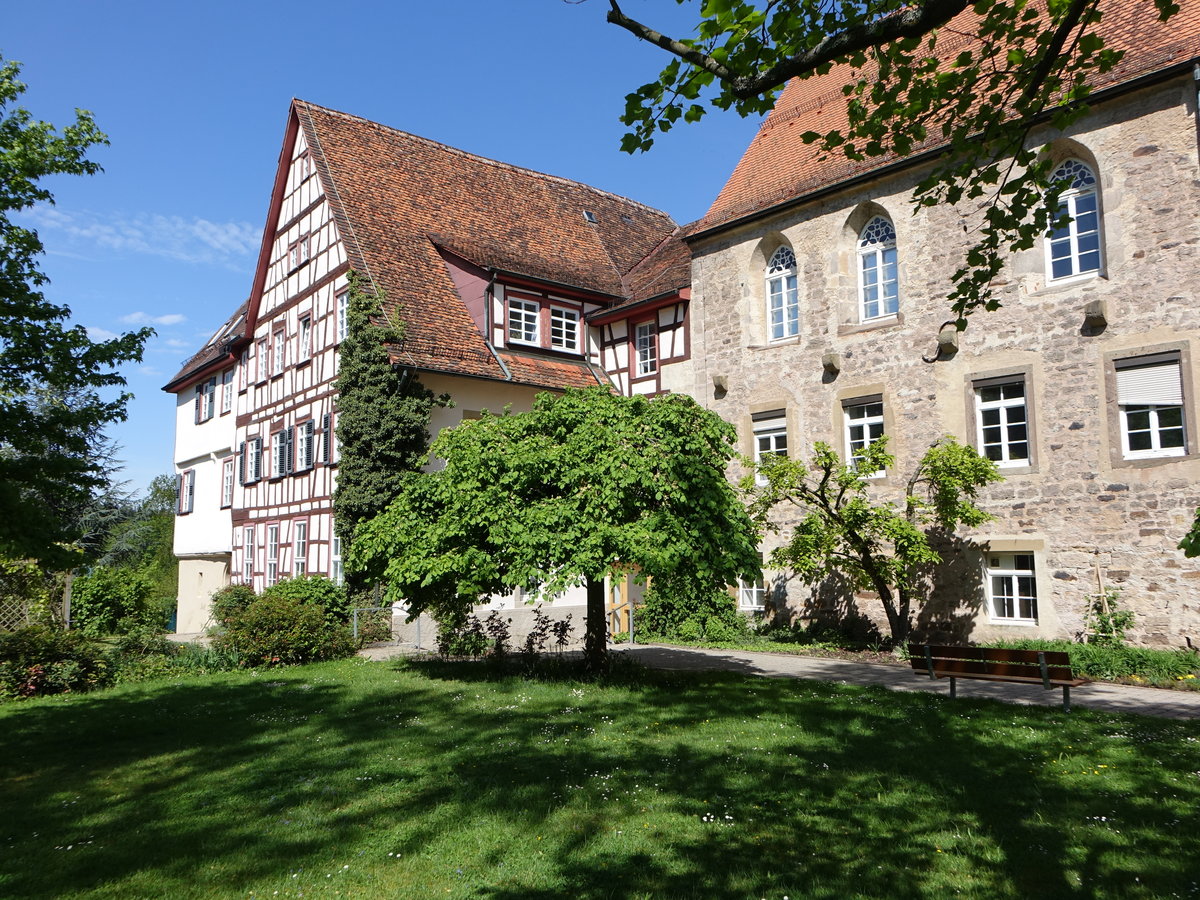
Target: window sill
[
  {"x": 1015, "y": 623},
  {"x": 1016, "y": 470},
  {"x": 892, "y": 321},
  {"x": 1146, "y": 462},
  {"x": 304, "y": 362},
  {"x": 1062, "y": 285}
]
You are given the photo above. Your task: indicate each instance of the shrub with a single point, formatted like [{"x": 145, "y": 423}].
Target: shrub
[
  {"x": 281, "y": 629},
  {"x": 231, "y": 601},
  {"x": 110, "y": 600},
  {"x": 41, "y": 660},
  {"x": 672, "y": 610},
  {"x": 315, "y": 590}
]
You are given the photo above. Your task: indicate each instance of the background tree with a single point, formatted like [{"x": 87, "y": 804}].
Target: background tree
[
  {"x": 877, "y": 545},
  {"x": 56, "y": 384},
  {"x": 1031, "y": 62},
  {"x": 569, "y": 492},
  {"x": 383, "y": 415}
]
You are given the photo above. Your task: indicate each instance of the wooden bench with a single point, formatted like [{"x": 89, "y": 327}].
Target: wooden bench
[{"x": 1048, "y": 668}]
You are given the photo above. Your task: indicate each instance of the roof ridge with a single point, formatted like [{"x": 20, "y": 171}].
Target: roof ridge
[{"x": 455, "y": 151}]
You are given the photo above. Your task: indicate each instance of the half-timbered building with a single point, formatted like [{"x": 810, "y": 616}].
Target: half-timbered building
[{"x": 497, "y": 274}]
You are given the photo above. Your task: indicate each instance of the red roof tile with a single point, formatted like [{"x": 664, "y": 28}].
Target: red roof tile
[
  {"x": 211, "y": 353},
  {"x": 778, "y": 167},
  {"x": 397, "y": 197}
]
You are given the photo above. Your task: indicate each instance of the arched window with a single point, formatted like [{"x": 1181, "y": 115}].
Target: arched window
[
  {"x": 878, "y": 283},
  {"x": 783, "y": 305},
  {"x": 1074, "y": 249}
]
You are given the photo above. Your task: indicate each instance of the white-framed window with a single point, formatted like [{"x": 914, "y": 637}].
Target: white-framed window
[
  {"x": 343, "y": 315},
  {"x": 206, "y": 400},
  {"x": 783, "y": 301},
  {"x": 262, "y": 364},
  {"x": 1074, "y": 249},
  {"x": 303, "y": 166},
  {"x": 248, "y": 554},
  {"x": 878, "y": 279},
  {"x": 227, "y": 483},
  {"x": 336, "y": 573},
  {"x": 523, "y": 321},
  {"x": 300, "y": 548},
  {"x": 770, "y": 437},
  {"x": 226, "y": 391},
  {"x": 1012, "y": 588},
  {"x": 1150, "y": 400},
  {"x": 304, "y": 340},
  {"x": 1002, "y": 422},
  {"x": 864, "y": 425},
  {"x": 187, "y": 492},
  {"x": 564, "y": 328},
  {"x": 251, "y": 460},
  {"x": 752, "y": 595},
  {"x": 243, "y": 370},
  {"x": 298, "y": 252},
  {"x": 278, "y": 342},
  {"x": 645, "y": 342},
  {"x": 272, "y": 554}
]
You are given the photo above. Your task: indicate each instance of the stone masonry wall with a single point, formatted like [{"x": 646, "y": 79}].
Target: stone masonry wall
[{"x": 1086, "y": 514}]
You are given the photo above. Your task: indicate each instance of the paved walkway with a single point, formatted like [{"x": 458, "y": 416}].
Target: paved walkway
[{"x": 1097, "y": 696}]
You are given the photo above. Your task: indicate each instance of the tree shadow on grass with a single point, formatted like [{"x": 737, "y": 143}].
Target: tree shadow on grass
[{"x": 216, "y": 788}]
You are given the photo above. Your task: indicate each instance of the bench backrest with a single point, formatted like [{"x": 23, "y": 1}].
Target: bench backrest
[{"x": 997, "y": 662}]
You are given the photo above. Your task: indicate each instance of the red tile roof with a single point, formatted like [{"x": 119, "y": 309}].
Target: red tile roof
[
  {"x": 212, "y": 353},
  {"x": 778, "y": 167},
  {"x": 398, "y": 197}
]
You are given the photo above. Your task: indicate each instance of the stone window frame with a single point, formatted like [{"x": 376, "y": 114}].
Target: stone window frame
[
  {"x": 1006, "y": 375},
  {"x": 856, "y": 402},
  {"x": 1069, "y": 199},
  {"x": 1116, "y": 449},
  {"x": 1005, "y": 564},
  {"x": 877, "y": 251},
  {"x": 769, "y": 424},
  {"x": 776, "y": 271}
]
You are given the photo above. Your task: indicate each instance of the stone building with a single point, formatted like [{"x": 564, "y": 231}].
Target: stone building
[{"x": 817, "y": 313}]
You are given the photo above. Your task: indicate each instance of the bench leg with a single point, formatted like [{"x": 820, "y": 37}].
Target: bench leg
[
  {"x": 953, "y": 687},
  {"x": 1066, "y": 698}
]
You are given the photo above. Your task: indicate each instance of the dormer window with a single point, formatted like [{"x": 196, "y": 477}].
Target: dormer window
[
  {"x": 564, "y": 329},
  {"x": 523, "y": 321}
]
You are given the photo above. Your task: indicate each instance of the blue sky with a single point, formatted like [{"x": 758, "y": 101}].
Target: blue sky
[{"x": 194, "y": 99}]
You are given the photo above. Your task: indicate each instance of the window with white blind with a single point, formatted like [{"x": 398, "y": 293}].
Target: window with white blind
[
  {"x": 1150, "y": 400},
  {"x": 863, "y": 420},
  {"x": 770, "y": 437}
]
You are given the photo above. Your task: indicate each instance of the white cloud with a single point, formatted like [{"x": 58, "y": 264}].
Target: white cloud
[
  {"x": 177, "y": 343},
  {"x": 174, "y": 237},
  {"x": 141, "y": 318},
  {"x": 100, "y": 334}
]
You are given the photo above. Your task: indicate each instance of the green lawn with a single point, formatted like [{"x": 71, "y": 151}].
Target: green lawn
[{"x": 365, "y": 780}]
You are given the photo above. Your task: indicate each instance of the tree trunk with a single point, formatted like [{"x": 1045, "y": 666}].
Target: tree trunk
[{"x": 595, "y": 639}]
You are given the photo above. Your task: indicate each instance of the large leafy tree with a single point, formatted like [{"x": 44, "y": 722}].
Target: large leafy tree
[
  {"x": 909, "y": 84},
  {"x": 845, "y": 527},
  {"x": 58, "y": 388},
  {"x": 583, "y": 485}
]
